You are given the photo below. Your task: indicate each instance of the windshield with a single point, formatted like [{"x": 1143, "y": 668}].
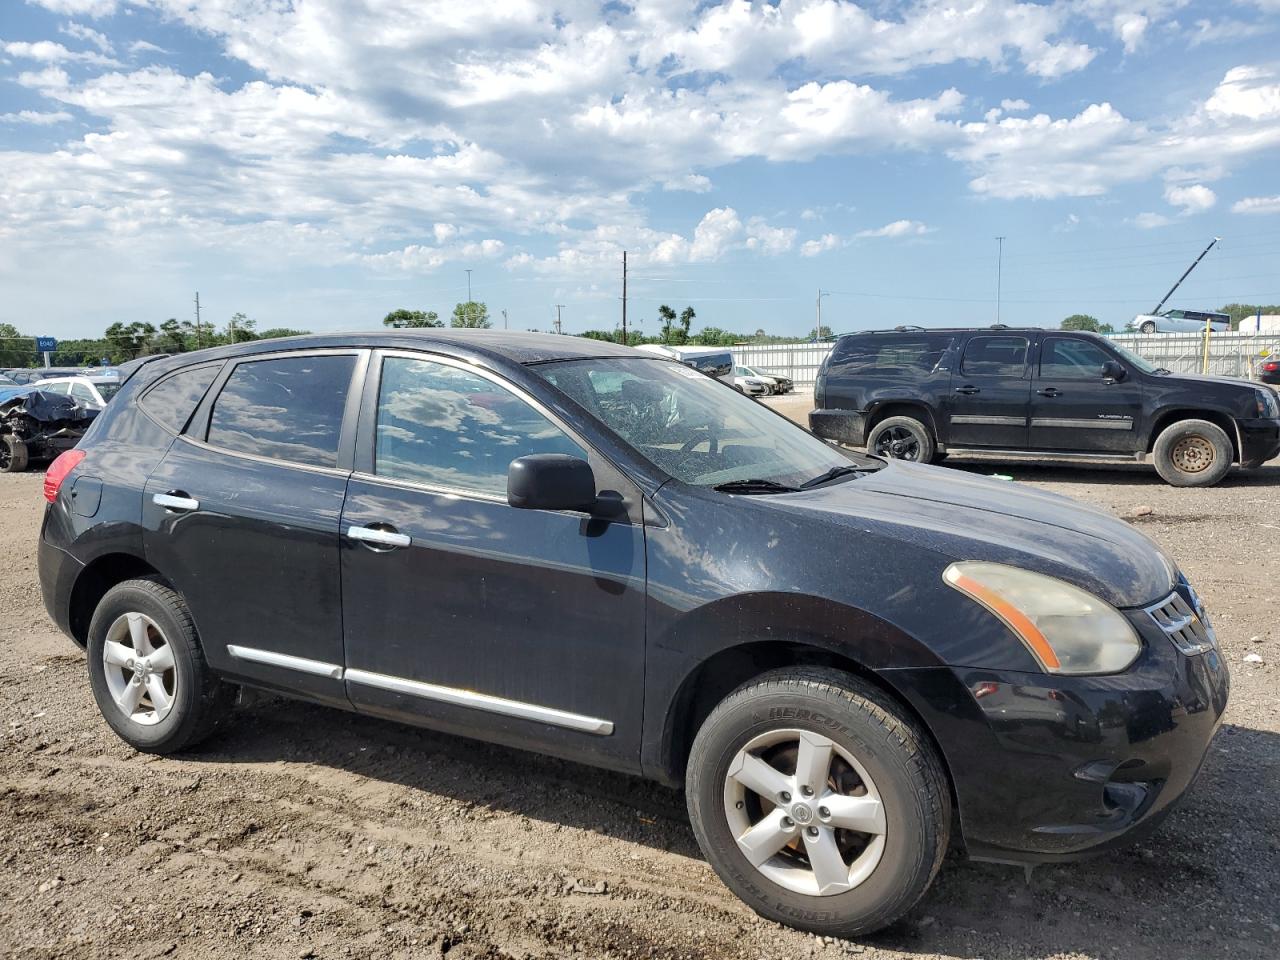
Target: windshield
[
  {"x": 108, "y": 390},
  {"x": 1134, "y": 359},
  {"x": 693, "y": 428}
]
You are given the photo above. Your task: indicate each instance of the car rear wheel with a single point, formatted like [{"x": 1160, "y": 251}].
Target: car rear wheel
[
  {"x": 818, "y": 801},
  {"x": 1193, "y": 453},
  {"x": 13, "y": 454},
  {"x": 147, "y": 670},
  {"x": 902, "y": 438}
]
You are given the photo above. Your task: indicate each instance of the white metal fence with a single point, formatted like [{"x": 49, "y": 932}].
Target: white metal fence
[{"x": 1230, "y": 354}]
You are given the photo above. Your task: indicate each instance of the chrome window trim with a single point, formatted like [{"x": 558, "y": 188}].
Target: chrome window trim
[
  {"x": 481, "y": 701},
  {"x": 256, "y": 458}
]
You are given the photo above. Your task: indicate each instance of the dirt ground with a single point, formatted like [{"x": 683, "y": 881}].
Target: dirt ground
[{"x": 303, "y": 832}]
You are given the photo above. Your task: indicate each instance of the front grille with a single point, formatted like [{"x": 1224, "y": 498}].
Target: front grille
[{"x": 1187, "y": 628}]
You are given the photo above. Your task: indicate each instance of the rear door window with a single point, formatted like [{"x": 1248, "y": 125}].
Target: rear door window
[
  {"x": 286, "y": 408},
  {"x": 995, "y": 357},
  {"x": 448, "y": 427},
  {"x": 173, "y": 400}
]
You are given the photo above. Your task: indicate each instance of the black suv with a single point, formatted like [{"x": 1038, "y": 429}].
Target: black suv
[
  {"x": 578, "y": 548},
  {"x": 917, "y": 394}
]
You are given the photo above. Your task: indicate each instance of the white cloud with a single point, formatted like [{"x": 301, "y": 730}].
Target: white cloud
[
  {"x": 1014, "y": 106},
  {"x": 1196, "y": 198},
  {"x": 87, "y": 8},
  {"x": 36, "y": 117},
  {"x": 144, "y": 46},
  {"x": 769, "y": 240},
  {"x": 899, "y": 228},
  {"x": 1257, "y": 205},
  {"x": 812, "y": 248},
  {"x": 690, "y": 182},
  {"x": 1131, "y": 28},
  {"x": 50, "y": 52},
  {"x": 1149, "y": 221},
  {"x": 88, "y": 35}
]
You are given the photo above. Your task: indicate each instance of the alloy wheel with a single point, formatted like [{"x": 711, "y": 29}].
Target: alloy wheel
[
  {"x": 804, "y": 812},
  {"x": 137, "y": 660},
  {"x": 898, "y": 443}
]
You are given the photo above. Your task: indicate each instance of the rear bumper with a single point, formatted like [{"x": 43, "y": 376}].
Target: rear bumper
[
  {"x": 58, "y": 573},
  {"x": 843, "y": 426},
  {"x": 1259, "y": 440},
  {"x": 1056, "y": 768}
]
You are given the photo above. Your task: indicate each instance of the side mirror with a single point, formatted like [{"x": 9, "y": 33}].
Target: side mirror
[
  {"x": 1113, "y": 371},
  {"x": 551, "y": 481}
]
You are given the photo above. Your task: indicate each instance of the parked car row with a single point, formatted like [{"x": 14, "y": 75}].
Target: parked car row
[
  {"x": 592, "y": 523},
  {"x": 916, "y": 394}
]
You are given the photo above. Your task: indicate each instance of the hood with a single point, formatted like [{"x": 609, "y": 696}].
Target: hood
[{"x": 965, "y": 517}]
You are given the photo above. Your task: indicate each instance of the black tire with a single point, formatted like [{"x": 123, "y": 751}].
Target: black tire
[
  {"x": 1193, "y": 453},
  {"x": 1148, "y": 326},
  {"x": 895, "y": 753},
  {"x": 200, "y": 699},
  {"x": 902, "y": 438},
  {"x": 13, "y": 454}
]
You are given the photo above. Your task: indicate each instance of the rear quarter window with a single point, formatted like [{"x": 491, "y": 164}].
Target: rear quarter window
[{"x": 902, "y": 356}]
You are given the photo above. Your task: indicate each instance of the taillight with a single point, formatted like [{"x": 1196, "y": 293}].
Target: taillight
[
  {"x": 1271, "y": 366},
  {"x": 58, "y": 470}
]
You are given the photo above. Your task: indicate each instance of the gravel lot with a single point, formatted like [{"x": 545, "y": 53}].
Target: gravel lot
[{"x": 301, "y": 832}]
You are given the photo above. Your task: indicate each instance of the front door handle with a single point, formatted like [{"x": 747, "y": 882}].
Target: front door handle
[
  {"x": 968, "y": 391},
  {"x": 1050, "y": 392},
  {"x": 176, "y": 500},
  {"x": 379, "y": 535}
]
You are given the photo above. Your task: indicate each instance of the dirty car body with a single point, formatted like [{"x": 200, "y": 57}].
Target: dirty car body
[{"x": 615, "y": 628}]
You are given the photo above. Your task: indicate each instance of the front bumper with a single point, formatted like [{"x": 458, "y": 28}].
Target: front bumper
[
  {"x": 1259, "y": 440},
  {"x": 1055, "y": 768}
]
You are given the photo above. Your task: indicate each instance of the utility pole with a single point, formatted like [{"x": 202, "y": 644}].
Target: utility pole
[
  {"x": 558, "y": 306},
  {"x": 468, "y": 314},
  {"x": 999, "y": 273},
  {"x": 624, "y": 298},
  {"x": 198, "y": 338},
  {"x": 504, "y": 319},
  {"x": 817, "y": 333}
]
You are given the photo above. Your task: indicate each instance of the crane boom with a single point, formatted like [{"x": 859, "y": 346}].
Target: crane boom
[{"x": 1185, "y": 275}]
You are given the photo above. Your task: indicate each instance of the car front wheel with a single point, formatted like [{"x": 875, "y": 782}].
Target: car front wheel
[
  {"x": 1193, "y": 453},
  {"x": 902, "y": 438},
  {"x": 818, "y": 801}
]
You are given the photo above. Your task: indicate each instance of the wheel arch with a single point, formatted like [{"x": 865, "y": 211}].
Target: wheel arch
[
  {"x": 91, "y": 585},
  {"x": 916, "y": 409},
  {"x": 1166, "y": 418}
]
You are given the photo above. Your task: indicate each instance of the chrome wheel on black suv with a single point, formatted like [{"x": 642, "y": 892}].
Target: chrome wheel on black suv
[{"x": 818, "y": 802}]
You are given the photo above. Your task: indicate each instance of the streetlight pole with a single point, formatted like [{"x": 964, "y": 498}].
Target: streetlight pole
[
  {"x": 999, "y": 273},
  {"x": 817, "y": 333},
  {"x": 468, "y": 295}
]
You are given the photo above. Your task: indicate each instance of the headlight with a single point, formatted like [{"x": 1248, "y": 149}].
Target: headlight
[
  {"x": 1067, "y": 630},
  {"x": 1268, "y": 404}
]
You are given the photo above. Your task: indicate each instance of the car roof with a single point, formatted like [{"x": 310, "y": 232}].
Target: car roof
[
  {"x": 485, "y": 346},
  {"x": 999, "y": 328}
]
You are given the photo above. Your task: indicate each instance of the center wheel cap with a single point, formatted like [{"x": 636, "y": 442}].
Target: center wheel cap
[{"x": 801, "y": 813}]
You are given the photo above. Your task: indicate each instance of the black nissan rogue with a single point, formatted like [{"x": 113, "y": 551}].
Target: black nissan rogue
[
  {"x": 571, "y": 547},
  {"x": 917, "y": 394}
]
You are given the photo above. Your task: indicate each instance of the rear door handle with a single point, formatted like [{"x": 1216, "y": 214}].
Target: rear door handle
[
  {"x": 968, "y": 391},
  {"x": 380, "y": 536},
  {"x": 176, "y": 500},
  {"x": 1050, "y": 392}
]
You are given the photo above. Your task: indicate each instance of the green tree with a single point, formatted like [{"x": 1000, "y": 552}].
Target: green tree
[
  {"x": 125, "y": 342},
  {"x": 275, "y": 333},
  {"x": 403, "y": 318},
  {"x": 668, "y": 318},
  {"x": 16, "y": 350},
  {"x": 1238, "y": 311},
  {"x": 470, "y": 314},
  {"x": 239, "y": 329},
  {"x": 600, "y": 335},
  {"x": 686, "y": 320},
  {"x": 821, "y": 333},
  {"x": 1082, "y": 321}
]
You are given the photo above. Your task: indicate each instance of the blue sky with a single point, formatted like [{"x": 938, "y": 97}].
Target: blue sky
[{"x": 317, "y": 163}]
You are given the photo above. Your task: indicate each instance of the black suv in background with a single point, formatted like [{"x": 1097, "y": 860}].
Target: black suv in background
[
  {"x": 916, "y": 394},
  {"x": 582, "y": 549}
]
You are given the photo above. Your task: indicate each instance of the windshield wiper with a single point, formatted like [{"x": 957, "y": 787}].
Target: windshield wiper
[
  {"x": 835, "y": 472},
  {"x": 754, "y": 486},
  {"x": 1163, "y": 372}
]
